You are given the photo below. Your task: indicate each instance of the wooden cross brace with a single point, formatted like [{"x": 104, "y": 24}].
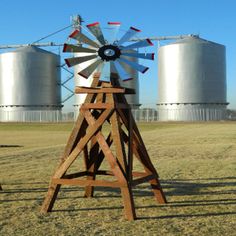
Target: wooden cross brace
[{"x": 105, "y": 105}]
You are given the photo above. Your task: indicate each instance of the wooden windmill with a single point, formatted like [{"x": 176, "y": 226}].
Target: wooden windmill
[{"x": 105, "y": 130}]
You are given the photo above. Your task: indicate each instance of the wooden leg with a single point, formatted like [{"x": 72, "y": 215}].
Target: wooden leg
[
  {"x": 0, "y": 187},
  {"x": 128, "y": 201},
  {"x": 50, "y": 198},
  {"x": 89, "y": 190},
  {"x": 95, "y": 161},
  {"x": 157, "y": 190},
  {"x": 149, "y": 168}
]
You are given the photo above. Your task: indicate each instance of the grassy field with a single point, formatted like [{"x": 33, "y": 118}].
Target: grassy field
[{"x": 196, "y": 163}]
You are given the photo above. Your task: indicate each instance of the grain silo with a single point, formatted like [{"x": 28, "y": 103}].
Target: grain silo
[
  {"x": 29, "y": 85},
  {"x": 192, "y": 81}
]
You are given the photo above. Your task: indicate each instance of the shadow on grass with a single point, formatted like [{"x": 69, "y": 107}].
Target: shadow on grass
[
  {"x": 9, "y": 146},
  {"x": 210, "y": 214},
  {"x": 171, "y": 205},
  {"x": 175, "y": 187},
  {"x": 186, "y": 187}
]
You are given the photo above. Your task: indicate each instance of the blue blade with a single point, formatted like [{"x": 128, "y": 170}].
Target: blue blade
[
  {"x": 106, "y": 72},
  {"x": 134, "y": 65},
  {"x": 140, "y": 44},
  {"x": 121, "y": 71},
  {"x": 113, "y": 29},
  {"x": 128, "y": 35},
  {"x": 148, "y": 56}
]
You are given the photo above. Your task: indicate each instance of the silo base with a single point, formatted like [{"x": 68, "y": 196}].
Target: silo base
[
  {"x": 191, "y": 112},
  {"x": 31, "y": 114}
]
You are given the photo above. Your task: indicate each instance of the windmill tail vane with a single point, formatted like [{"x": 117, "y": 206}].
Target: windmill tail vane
[{"x": 107, "y": 55}]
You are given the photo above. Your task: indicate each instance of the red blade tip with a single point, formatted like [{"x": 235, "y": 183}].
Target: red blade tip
[
  {"x": 135, "y": 29},
  {"x": 93, "y": 24},
  {"x": 67, "y": 62},
  {"x": 74, "y": 34},
  {"x": 127, "y": 79},
  {"x": 150, "y": 42},
  {"x": 145, "y": 70},
  {"x": 113, "y": 23},
  {"x": 64, "y": 47}
]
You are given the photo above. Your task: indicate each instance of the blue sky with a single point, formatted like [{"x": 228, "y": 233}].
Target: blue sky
[{"x": 26, "y": 21}]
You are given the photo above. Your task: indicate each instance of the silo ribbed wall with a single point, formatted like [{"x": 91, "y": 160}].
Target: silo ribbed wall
[
  {"x": 29, "y": 82},
  {"x": 192, "y": 81}
]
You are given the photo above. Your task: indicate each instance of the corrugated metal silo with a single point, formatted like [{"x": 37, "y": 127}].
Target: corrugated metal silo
[
  {"x": 192, "y": 80},
  {"x": 29, "y": 81}
]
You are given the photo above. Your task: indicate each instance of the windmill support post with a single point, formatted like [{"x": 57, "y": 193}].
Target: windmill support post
[{"x": 105, "y": 104}]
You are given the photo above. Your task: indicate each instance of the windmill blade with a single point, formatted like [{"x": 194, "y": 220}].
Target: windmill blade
[
  {"x": 77, "y": 35},
  {"x": 121, "y": 71},
  {"x": 134, "y": 65},
  {"x": 74, "y": 48},
  {"x": 128, "y": 35},
  {"x": 77, "y": 60},
  {"x": 140, "y": 44},
  {"x": 148, "y": 56},
  {"x": 106, "y": 72},
  {"x": 113, "y": 29},
  {"x": 86, "y": 72},
  {"x": 97, "y": 32}
]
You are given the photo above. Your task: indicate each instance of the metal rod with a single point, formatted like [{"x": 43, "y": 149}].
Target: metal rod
[
  {"x": 67, "y": 88},
  {"x": 49, "y": 44},
  {"x": 69, "y": 78},
  {"x": 159, "y": 38},
  {"x": 53, "y": 44},
  {"x": 67, "y": 98}
]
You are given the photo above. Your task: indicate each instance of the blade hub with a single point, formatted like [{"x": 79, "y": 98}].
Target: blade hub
[{"x": 109, "y": 52}]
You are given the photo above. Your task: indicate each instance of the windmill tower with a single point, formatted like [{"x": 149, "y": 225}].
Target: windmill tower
[{"x": 106, "y": 105}]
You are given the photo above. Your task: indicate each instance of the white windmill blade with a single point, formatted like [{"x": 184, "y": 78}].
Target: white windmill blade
[
  {"x": 77, "y": 60},
  {"x": 86, "y": 72},
  {"x": 140, "y": 44},
  {"x": 97, "y": 32},
  {"x": 113, "y": 29},
  {"x": 77, "y": 35},
  {"x": 128, "y": 35},
  {"x": 75, "y": 48},
  {"x": 134, "y": 65},
  {"x": 148, "y": 56},
  {"x": 106, "y": 72},
  {"x": 124, "y": 75}
]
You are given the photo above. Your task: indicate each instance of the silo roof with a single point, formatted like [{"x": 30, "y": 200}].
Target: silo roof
[
  {"x": 194, "y": 40},
  {"x": 32, "y": 48}
]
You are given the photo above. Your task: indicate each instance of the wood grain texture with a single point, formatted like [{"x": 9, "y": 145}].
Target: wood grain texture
[{"x": 105, "y": 105}]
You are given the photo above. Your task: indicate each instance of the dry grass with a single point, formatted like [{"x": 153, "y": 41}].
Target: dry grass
[{"x": 196, "y": 163}]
